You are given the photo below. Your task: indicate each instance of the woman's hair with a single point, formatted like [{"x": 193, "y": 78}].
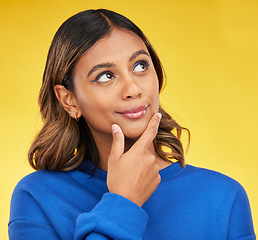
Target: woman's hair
[{"x": 63, "y": 143}]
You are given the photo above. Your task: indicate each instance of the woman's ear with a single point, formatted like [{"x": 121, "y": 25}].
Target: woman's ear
[{"x": 68, "y": 101}]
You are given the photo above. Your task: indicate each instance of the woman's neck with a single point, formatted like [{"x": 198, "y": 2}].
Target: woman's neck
[{"x": 104, "y": 148}]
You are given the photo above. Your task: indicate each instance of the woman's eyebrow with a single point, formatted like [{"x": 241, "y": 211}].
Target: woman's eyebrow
[
  {"x": 109, "y": 65},
  {"x": 98, "y": 66},
  {"x": 137, "y": 53}
]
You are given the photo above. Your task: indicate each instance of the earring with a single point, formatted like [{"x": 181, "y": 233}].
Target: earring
[
  {"x": 77, "y": 119},
  {"x": 75, "y": 151},
  {"x": 69, "y": 112}
]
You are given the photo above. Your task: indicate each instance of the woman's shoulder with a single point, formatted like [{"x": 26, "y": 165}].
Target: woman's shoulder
[
  {"x": 212, "y": 178},
  {"x": 39, "y": 177},
  {"x": 29, "y": 194},
  {"x": 46, "y": 180}
]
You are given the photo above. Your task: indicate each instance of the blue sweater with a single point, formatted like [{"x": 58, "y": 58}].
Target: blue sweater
[{"x": 189, "y": 204}]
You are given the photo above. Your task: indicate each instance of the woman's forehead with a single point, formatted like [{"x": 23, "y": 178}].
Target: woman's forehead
[{"x": 121, "y": 43}]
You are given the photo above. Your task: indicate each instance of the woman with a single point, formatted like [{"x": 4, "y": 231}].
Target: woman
[{"x": 103, "y": 173}]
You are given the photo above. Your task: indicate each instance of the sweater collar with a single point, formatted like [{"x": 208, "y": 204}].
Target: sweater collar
[{"x": 165, "y": 173}]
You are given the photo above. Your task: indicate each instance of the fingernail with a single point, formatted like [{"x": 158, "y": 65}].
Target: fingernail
[
  {"x": 115, "y": 128},
  {"x": 159, "y": 115}
]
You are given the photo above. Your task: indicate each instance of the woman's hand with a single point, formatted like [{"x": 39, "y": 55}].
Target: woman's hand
[{"x": 134, "y": 174}]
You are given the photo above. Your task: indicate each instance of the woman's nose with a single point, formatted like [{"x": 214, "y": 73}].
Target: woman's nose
[{"x": 131, "y": 88}]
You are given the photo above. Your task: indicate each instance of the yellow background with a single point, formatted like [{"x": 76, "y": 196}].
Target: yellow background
[{"x": 209, "y": 49}]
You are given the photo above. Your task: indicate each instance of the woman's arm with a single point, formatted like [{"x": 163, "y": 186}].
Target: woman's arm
[
  {"x": 114, "y": 217},
  {"x": 240, "y": 225},
  {"x": 132, "y": 178}
]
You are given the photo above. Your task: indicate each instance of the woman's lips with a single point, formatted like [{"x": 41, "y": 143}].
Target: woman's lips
[{"x": 134, "y": 112}]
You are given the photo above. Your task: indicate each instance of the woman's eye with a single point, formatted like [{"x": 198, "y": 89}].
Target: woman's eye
[
  {"x": 104, "y": 77},
  {"x": 141, "y": 66}
]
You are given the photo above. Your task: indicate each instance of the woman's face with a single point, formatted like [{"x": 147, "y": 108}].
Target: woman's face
[{"x": 115, "y": 82}]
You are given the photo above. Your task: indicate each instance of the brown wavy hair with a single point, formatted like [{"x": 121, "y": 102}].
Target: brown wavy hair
[{"x": 63, "y": 143}]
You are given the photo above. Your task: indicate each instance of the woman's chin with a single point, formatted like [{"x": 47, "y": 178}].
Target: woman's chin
[
  {"x": 134, "y": 129},
  {"x": 133, "y": 134}
]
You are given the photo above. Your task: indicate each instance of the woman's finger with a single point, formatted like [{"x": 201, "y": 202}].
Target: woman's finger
[
  {"x": 150, "y": 132},
  {"x": 117, "y": 148}
]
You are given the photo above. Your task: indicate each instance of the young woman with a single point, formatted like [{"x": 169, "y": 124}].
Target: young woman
[{"x": 102, "y": 169}]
